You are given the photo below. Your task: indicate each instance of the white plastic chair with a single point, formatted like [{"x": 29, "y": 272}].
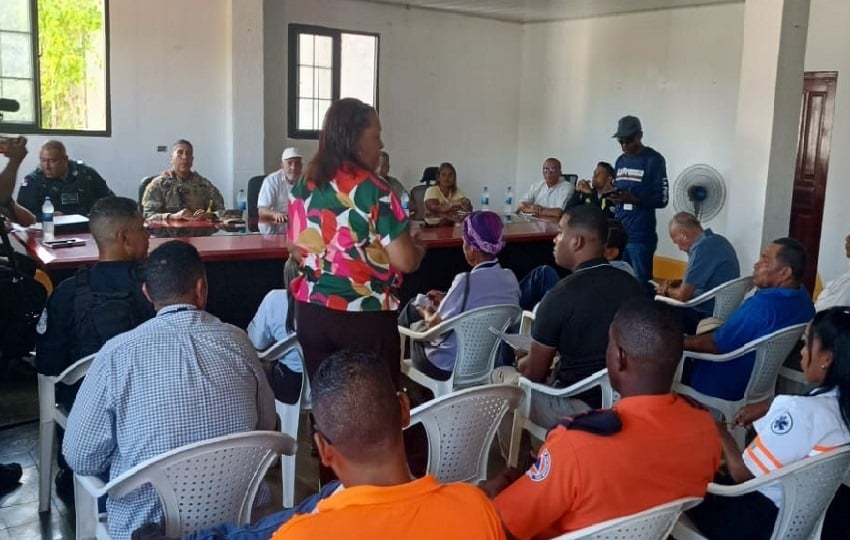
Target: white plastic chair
[
  {"x": 791, "y": 381},
  {"x": 51, "y": 414},
  {"x": 476, "y": 347},
  {"x": 461, "y": 427},
  {"x": 771, "y": 350},
  {"x": 727, "y": 297},
  {"x": 522, "y": 416},
  {"x": 289, "y": 415},
  {"x": 807, "y": 487},
  {"x": 526, "y": 321},
  {"x": 199, "y": 485},
  {"x": 652, "y": 524}
]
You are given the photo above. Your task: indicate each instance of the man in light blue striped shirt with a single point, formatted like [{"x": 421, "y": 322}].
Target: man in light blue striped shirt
[{"x": 181, "y": 377}]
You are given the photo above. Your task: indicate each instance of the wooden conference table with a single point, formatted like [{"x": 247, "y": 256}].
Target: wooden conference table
[{"x": 246, "y": 261}]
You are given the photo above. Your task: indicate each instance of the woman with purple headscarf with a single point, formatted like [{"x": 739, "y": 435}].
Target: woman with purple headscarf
[{"x": 487, "y": 284}]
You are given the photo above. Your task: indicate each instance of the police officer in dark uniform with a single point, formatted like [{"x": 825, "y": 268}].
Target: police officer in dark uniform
[{"x": 72, "y": 186}]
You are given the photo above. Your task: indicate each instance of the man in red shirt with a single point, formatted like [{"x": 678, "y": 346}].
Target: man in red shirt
[{"x": 651, "y": 448}]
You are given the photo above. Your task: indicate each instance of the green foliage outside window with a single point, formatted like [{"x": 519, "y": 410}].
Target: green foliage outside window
[{"x": 67, "y": 34}]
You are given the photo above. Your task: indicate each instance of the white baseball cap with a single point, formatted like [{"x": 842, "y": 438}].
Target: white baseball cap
[{"x": 290, "y": 153}]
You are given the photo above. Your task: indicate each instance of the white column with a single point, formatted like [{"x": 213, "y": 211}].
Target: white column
[{"x": 765, "y": 139}]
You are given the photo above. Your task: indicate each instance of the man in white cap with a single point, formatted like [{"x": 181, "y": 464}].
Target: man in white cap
[{"x": 273, "y": 200}]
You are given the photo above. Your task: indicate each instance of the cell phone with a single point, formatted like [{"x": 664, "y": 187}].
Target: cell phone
[
  {"x": 63, "y": 243},
  {"x": 423, "y": 301}
]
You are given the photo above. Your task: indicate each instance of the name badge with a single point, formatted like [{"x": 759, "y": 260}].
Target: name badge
[
  {"x": 628, "y": 206},
  {"x": 70, "y": 198}
]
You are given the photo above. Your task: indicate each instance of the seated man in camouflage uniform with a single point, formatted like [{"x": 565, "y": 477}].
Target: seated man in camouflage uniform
[
  {"x": 72, "y": 186},
  {"x": 180, "y": 193}
]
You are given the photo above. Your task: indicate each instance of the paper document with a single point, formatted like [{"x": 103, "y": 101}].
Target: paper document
[{"x": 518, "y": 342}]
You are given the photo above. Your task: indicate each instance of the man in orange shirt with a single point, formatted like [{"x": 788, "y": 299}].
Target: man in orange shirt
[
  {"x": 358, "y": 432},
  {"x": 651, "y": 448}
]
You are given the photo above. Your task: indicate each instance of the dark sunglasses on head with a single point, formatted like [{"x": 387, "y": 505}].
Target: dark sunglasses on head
[{"x": 626, "y": 140}]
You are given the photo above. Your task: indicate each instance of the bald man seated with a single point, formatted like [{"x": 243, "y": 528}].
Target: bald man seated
[
  {"x": 653, "y": 447},
  {"x": 72, "y": 186}
]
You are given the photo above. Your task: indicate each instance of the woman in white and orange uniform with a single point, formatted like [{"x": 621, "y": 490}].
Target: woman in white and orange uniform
[{"x": 788, "y": 429}]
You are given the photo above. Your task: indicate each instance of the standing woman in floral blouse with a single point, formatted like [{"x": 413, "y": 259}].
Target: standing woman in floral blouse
[{"x": 352, "y": 237}]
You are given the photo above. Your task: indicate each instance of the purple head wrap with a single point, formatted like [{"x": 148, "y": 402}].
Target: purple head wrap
[{"x": 483, "y": 230}]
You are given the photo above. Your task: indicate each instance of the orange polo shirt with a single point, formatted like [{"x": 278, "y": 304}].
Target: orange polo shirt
[
  {"x": 421, "y": 509},
  {"x": 667, "y": 449}
]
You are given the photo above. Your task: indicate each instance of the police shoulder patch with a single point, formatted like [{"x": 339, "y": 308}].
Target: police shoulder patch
[
  {"x": 540, "y": 470},
  {"x": 782, "y": 423}
]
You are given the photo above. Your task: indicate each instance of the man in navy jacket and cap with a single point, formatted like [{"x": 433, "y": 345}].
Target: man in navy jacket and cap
[{"x": 641, "y": 184}]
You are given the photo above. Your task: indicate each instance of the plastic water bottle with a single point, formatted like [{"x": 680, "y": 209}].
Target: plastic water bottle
[
  {"x": 509, "y": 201},
  {"x": 47, "y": 225},
  {"x": 485, "y": 199},
  {"x": 242, "y": 202},
  {"x": 405, "y": 202}
]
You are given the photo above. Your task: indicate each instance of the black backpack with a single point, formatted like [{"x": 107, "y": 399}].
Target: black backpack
[
  {"x": 99, "y": 316},
  {"x": 22, "y": 300}
]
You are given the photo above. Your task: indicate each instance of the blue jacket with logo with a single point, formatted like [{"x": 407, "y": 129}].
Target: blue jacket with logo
[{"x": 645, "y": 175}]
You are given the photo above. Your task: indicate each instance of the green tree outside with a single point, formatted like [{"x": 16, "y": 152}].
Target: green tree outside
[{"x": 66, "y": 35}]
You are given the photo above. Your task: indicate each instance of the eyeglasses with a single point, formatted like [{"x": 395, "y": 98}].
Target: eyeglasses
[
  {"x": 626, "y": 140},
  {"x": 550, "y": 169}
]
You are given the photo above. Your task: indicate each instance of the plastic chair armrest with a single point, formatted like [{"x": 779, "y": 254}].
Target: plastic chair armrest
[
  {"x": 671, "y": 301},
  {"x": 93, "y": 485},
  {"x": 75, "y": 371},
  {"x": 600, "y": 378},
  {"x": 713, "y": 357},
  {"x": 742, "y": 488},
  {"x": 415, "y": 375},
  {"x": 427, "y": 335}
]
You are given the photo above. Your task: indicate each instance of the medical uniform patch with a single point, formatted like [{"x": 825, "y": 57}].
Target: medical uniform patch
[
  {"x": 540, "y": 470},
  {"x": 782, "y": 424}
]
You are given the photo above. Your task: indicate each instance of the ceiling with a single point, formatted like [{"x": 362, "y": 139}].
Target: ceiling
[{"x": 525, "y": 11}]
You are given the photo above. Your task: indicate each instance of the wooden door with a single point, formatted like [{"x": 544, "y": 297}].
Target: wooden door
[{"x": 813, "y": 141}]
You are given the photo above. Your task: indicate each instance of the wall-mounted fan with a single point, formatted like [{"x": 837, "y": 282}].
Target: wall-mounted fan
[{"x": 700, "y": 190}]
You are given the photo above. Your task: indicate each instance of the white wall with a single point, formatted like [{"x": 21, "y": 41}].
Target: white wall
[
  {"x": 678, "y": 70},
  {"x": 495, "y": 98},
  {"x": 828, "y": 49},
  {"x": 169, "y": 80},
  {"x": 448, "y": 87}
]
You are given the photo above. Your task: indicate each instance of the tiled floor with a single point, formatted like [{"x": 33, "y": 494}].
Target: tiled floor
[{"x": 19, "y": 517}]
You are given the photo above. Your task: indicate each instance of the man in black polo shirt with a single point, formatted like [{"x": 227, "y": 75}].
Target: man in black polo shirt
[{"x": 573, "y": 318}]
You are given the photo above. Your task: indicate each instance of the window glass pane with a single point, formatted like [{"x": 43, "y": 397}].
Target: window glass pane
[
  {"x": 323, "y": 83},
  {"x": 306, "y": 88},
  {"x": 305, "y": 114},
  {"x": 305, "y": 49},
  {"x": 15, "y": 15},
  {"x": 324, "y": 51},
  {"x": 322, "y": 107},
  {"x": 72, "y": 64},
  {"x": 22, "y": 91},
  {"x": 358, "y": 67},
  {"x": 15, "y": 55}
]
